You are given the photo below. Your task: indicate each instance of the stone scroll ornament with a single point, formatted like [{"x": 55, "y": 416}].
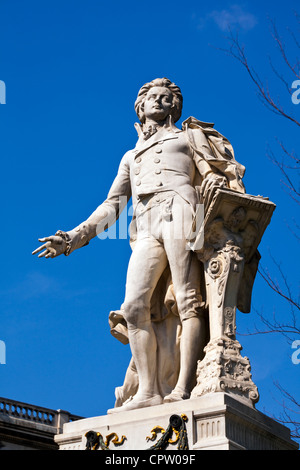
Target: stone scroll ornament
[{"x": 227, "y": 244}]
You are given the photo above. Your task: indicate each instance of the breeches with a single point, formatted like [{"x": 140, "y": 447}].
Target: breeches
[{"x": 163, "y": 221}]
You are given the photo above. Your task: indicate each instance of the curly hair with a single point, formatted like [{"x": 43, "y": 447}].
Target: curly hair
[{"x": 162, "y": 82}]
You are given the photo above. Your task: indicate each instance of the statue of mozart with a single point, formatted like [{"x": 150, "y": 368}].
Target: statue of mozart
[{"x": 164, "y": 316}]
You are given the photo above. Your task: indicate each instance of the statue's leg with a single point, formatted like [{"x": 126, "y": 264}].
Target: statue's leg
[
  {"x": 194, "y": 326},
  {"x": 186, "y": 277},
  {"x": 192, "y": 343},
  {"x": 147, "y": 263}
]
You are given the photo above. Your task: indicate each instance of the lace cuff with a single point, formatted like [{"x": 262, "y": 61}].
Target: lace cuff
[{"x": 67, "y": 239}]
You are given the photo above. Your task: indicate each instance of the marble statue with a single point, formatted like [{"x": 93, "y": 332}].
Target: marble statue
[{"x": 182, "y": 289}]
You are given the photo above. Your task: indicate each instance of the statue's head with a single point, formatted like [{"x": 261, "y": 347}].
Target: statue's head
[{"x": 176, "y": 107}]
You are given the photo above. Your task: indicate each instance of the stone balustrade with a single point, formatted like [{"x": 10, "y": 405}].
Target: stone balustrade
[{"x": 35, "y": 414}]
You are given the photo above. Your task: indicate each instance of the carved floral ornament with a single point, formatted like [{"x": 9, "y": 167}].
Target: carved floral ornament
[
  {"x": 224, "y": 369},
  {"x": 215, "y": 267}
]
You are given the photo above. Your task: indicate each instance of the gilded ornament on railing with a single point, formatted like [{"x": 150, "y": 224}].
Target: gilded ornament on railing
[
  {"x": 176, "y": 427},
  {"x": 95, "y": 440}
]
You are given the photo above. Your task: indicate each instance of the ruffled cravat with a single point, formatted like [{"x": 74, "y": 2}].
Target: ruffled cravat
[{"x": 149, "y": 131}]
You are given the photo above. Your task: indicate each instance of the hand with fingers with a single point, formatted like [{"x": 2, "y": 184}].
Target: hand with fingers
[
  {"x": 53, "y": 246},
  {"x": 212, "y": 181}
]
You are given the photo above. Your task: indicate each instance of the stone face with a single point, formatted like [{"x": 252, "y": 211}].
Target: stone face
[{"x": 215, "y": 421}]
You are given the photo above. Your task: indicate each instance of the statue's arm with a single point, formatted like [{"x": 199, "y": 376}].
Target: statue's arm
[{"x": 103, "y": 217}]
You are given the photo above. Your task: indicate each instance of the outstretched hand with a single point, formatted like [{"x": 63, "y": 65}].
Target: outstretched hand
[{"x": 53, "y": 246}]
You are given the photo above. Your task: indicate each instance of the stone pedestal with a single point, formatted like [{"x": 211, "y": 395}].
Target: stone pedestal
[
  {"x": 226, "y": 243},
  {"x": 215, "y": 421}
]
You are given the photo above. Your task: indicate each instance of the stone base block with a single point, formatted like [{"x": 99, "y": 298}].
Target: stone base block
[{"x": 216, "y": 421}]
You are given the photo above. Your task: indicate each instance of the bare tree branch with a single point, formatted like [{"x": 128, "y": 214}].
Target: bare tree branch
[
  {"x": 295, "y": 39},
  {"x": 294, "y": 69},
  {"x": 283, "y": 167},
  {"x": 291, "y": 156},
  {"x": 293, "y": 230},
  {"x": 288, "y": 415},
  {"x": 275, "y": 286},
  {"x": 287, "y": 330},
  {"x": 237, "y": 51},
  {"x": 275, "y": 71}
]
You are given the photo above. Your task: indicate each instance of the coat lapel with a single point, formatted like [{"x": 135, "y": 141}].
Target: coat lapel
[{"x": 161, "y": 135}]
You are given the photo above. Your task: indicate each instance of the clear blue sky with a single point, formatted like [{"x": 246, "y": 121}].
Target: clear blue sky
[{"x": 72, "y": 71}]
